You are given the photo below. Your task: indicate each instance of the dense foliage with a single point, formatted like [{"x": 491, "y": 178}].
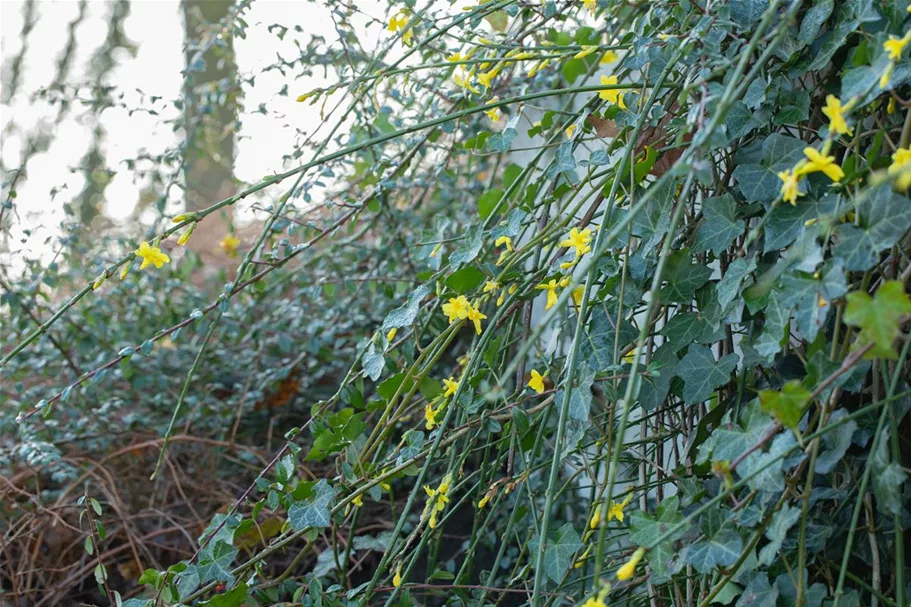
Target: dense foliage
[{"x": 584, "y": 302}]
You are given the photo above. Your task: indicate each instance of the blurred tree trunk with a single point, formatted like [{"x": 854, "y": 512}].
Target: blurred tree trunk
[{"x": 211, "y": 91}]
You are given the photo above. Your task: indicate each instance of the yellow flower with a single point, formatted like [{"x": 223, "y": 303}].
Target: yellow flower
[
  {"x": 229, "y": 244},
  {"x": 99, "y": 281},
  {"x": 451, "y": 386},
  {"x": 438, "y": 499},
  {"x": 512, "y": 289},
  {"x": 886, "y": 76},
  {"x": 835, "y": 112},
  {"x": 895, "y": 46},
  {"x": 570, "y": 130},
  {"x": 494, "y": 112},
  {"x": 789, "y": 188},
  {"x": 484, "y": 501},
  {"x": 596, "y": 518},
  {"x": 491, "y": 285},
  {"x": 397, "y": 22},
  {"x": 900, "y": 169},
  {"x": 551, "y": 288},
  {"x": 186, "y": 234},
  {"x": 536, "y": 382},
  {"x": 581, "y": 561},
  {"x": 616, "y": 509},
  {"x": 183, "y": 217},
  {"x": 391, "y": 334},
  {"x": 579, "y": 240},
  {"x": 504, "y": 240},
  {"x": 609, "y": 57},
  {"x": 627, "y": 571},
  {"x": 456, "y": 56},
  {"x": 890, "y": 108},
  {"x": 486, "y": 77},
  {"x": 358, "y": 500},
  {"x": 397, "y": 580},
  {"x": 457, "y": 308},
  {"x": 151, "y": 256},
  {"x": 475, "y": 316},
  {"x": 578, "y": 292},
  {"x": 818, "y": 162},
  {"x": 590, "y": 5},
  {"x": 125, "y": 270},
  {"x": 430, "y": 415},
  {"x": 615, "y": 96},
  {"x": 592, "y": 601},
  {"x": 585, "y": 52},
  {"x": 465, "y": 81}
]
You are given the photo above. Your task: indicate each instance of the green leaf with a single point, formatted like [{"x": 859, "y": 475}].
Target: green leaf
[
  {"x": 232, "y": 598},
  {"x": 720, "y": 550},
  {"x": 813, "y": 20},
  {"x": 572, "y": 69},
  {"x": 597, "y": 347},
  {"x": 786, "y": 222},
  {"x": 656, "y": 384},
  {"x": 685, "y": 328},
  {"x": 786, "y": 406},
  {"x": 812, "y": 296},
  {"x": 746, "y": 13},
  {"x": 884, "y": 218},
  {"x": 837, "y": 443},
  {"x": 645, "y": 529},
  {"x": 471, "y": 246},
  {"x": 777, "y": 533},
  {"x": 500, "y": 142},
  {"x": 558, "y": 555},
  {"x": 683, "y": 277},
  {"x": 374, "y": 361},
  {"x": 488, "y": 201},
  {"x": 405, "y": 315},
  {"x": 313, "y": 512},
  {"x": 758, "y": 592},
  {"x": 878, "y": 318},
  {"x": 701, "y": 374},
  {"x": 888, "y": 477},
  {"x": 728, "y": 288},
  {"x": 465, "y": 280},
  {"x": 720, "y": 226},
  {"x": 777, "y": 316},
  {"x": 759, "y": 182},
  {"x": 215, "y": 563},
  {"x": 652, "y": 222}
]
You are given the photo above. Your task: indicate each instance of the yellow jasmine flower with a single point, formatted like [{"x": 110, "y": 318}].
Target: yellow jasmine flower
[
  {"x": 451, "y": 386},
  {"x": 789, "y": 188},
  {"x": 627, "y": 571},
  {"x": 430, "y": 415},
  {"x": 890, "y": 108},
  {"x": 391, "y": 334},
  {"x": 358, "y": 500},
  {"x": 585, "y": 52},
  {"x": 125, "y": 270},
  {"x": 581, "y": 561},
  {"x": 590, "y": 5},
  {"x": 182, "y": 217},
  {"x": 438, "y": 499},
  {"x": 491, "y": 285},
  {"x": 900, "y": 169},
  {"x": 578, "y": 292},
  {"x": 186, "y": 234},
  {"x": 436, "y": 250},
  {"x": 609, "y": 57},
  {"x": 570, "y": 130},
  {"x": 457, "y": 308},
  {"x": 596, "y": 518},
  {"x": 305, "y": 96},
  {"x": 486, "y": 77},
  {"x": 483, "y": 501},
  {"x": 397, "y": 580},
  {"x": 504, "y": 240},
  {"x": 229, "y": 244},
  {"x": 835, "y": 112},
  {"x": 616, "y": 509},
  {"x": 536, "y": 382},
  {"x": 456, "y": 56},
  {"x": 579, "y": 240},
  {"x": 551, "y": 288},
  {"x": 397, "y": 22},
  {"x": 494, "y": 112},
  {"x": 99, "y": 281},
  {"x": 821, "y": 163},
  {"x": 895, "y": 46},
  {"x": 592, "y": 601},
  {"x": 523, "y": 56},
  {"x": 151, "y": 256},
  {"x": 475, "y": 316},
  {"x": 615, "y": 96},
  {"x": 569, "y": 264},
  {"x": 504, "y": 292},
  {"x": 465, "y": 81},
  {"x": 886, "y": 76}
]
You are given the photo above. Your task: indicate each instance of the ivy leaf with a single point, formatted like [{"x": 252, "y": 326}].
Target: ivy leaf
[
  {"x": 313, "y": 511},
  {"x": 720, "y": 226},
  {"x": 786, "y": 406},
  {"x": 405, "y": 315},
  {"x": 563, "y": 160},
  {"x": 786, "y": 222},
  {"x": 688, "y": 327},
  {"x": 888, "y": 477},
  {"x": 777, "y": 315},
  {"x": 701, "y": 374},
  {"x": 558, "y": 555},
  {"x": 656, "y": 385},
  {"x": 746, "y": 13},
  {"x": 812, "y": 296},
  {"x": 465, "y": 280},
  {"x": 215, "y": 563},
  {"x": 720, "y": 550},
  {"x": 374, "y": 361},
  {"x": 777, "y": 532},
  {"x": 232, "y": 598},
  {"x": 645, "y": 529},
  {"x": 728, "y": 288},
  {"x": 837, "y": 443},
  {"x": 488, "y": 201},
  {"x": 884, "y": 218},
  {"x": 812, "y": 21},
  {"x": 500, "y": 142},
  {"x": 597, "y": 347},
  {"x": 758, "y": 592},
  {"x": 878, "y": 318},
  {"x": 683, "y": 277},
  {"x": 471, "y": 246},
  {"x": 759, "y": 182},
  {"x": 652, "y": 222}
]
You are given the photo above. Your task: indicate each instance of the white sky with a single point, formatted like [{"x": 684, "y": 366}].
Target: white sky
[{"x": 156, "y": 27}]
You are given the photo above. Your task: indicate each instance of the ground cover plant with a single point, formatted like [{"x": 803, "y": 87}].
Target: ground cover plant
[{"x": 564, "y": 303}]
